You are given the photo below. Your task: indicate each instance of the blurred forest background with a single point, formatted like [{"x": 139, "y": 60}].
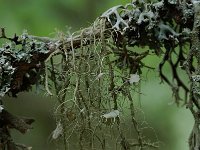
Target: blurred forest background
[{"x": 172, "y": 124}]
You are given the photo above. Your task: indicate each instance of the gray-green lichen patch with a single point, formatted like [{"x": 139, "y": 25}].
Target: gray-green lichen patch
[
  {"x": 6, "y": 70},
  {"x": 142, "y": 24},
  {"x": 19, "y": 59}
]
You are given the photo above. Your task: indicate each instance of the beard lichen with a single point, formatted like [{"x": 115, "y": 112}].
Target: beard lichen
[
  {"x": 95, "y": 93},
  {"x": 95, "y": 73}
]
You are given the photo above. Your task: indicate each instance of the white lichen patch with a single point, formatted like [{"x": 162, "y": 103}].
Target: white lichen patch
[
  {"x": 134, "y": 78},
  {"x": 58, "y": 131},
  {"x": 119, "y": 22},
  {"x": 1, "y": 108},
  {"x": 111, "y": 115},
  {"x": 99, "y": 76}
]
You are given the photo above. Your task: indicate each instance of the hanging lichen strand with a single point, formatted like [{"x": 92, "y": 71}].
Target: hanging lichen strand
[
  {"x": 94, "y": 73},
  {"x": 95, "y": 97},
  {"x": 95, "y": 83}
]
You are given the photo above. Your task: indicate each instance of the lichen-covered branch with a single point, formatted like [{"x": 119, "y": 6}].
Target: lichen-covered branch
[
  {"x": 8, "y": 122},
  {"x": 137, "y": 24},
  {"x": 168, "y": 29},
  {"x": 194, "y": 53}
]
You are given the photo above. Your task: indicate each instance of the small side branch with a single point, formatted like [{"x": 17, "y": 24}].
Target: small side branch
[{"x": 8, "y": 122}]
